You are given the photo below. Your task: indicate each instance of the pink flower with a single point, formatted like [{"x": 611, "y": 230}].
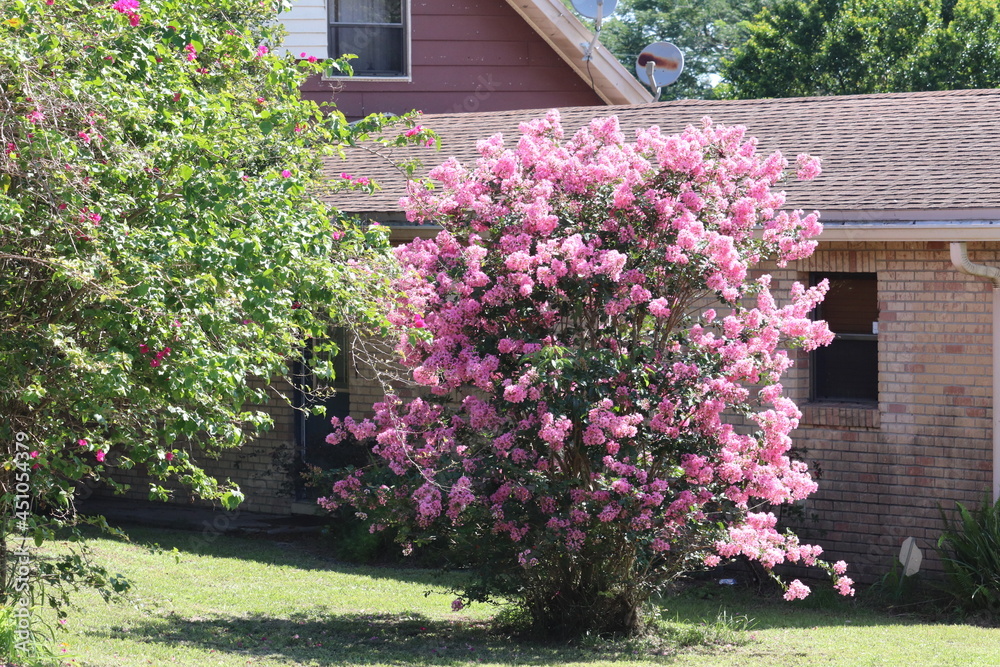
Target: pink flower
[
  {"x": 125, "y": 6},
  {"x": 285, "y": 173},
  {"x": 840, "y": 567},
  {"x": 169, "y": 456},
  {"x": 192, "y": 53},
  {"x": 82, "y": 442},
  {"x": 457, "y": 604},
  {"x": 34, "y": 455},
  {"x": 418, "y": 322},
  {"x": 99, "y": 455},
  {"x": 796, "y": 591},
  {"x": 143, "y": 348},
  {"x": 313, "y": 59},
  {"x": 844, "y": 586},
  {"x": 808, "y": 167},
  {"x": 84, "y": 137},
  {"x": 154, "y": 363},
  {"x": 261, "y": 51}
]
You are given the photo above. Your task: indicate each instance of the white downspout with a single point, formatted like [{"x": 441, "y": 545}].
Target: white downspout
[{"x": 960, "y": 258}]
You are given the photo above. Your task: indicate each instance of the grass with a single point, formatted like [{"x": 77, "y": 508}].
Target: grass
[{"x": 239, "y": 601}]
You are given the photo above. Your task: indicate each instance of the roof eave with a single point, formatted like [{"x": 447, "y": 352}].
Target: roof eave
[
  {"x": 565, "y": 33},
  {"x": 981, "y": 224}
]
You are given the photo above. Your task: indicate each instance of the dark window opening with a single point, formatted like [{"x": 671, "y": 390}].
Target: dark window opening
[
  {"x": 373, "y": 30},
  {"x": 847, "y": 369},
  {"x": 314, "y": 387}
]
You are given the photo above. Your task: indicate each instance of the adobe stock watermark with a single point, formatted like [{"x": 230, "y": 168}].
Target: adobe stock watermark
[
  {"x": 484, "y": 88},
  {"x": 21, "y": 569}
]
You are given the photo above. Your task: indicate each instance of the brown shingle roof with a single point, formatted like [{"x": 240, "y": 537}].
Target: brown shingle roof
[{"x": 891, "y": 152}]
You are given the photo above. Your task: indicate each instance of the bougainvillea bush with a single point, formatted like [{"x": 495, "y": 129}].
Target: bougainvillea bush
[
  {"x": 603, "y": 409},
  {"x": 161, "y": 244}
]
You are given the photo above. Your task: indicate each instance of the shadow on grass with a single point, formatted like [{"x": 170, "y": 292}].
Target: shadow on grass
[
  {"x": 296, "y": 554},
  {"x": 367, "y": 639}
]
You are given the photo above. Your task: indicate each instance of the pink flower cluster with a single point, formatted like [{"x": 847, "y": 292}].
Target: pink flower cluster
[
  {"x": 128, "y": 8},
  {"x": 574, "y": 386}
]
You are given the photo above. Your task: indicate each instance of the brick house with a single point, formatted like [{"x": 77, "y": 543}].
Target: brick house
[{"x": 898, "y": 413}]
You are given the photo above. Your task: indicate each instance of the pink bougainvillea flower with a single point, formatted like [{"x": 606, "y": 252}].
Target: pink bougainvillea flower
[
  {"x": 418, "y": 322},
  {"x": 154, "y": 363},
  {"x": 82, "y": 442},
  {"x": 296, "y": 305},
  {"x": 99, "y": 455},
  {"x": 84, "y": 137},
  {"x": 285, "y": 173},
  {"x": 192, "y": 52},
  {"x": 262, "y": 50},
  {"x": 169, "y": 456},
  {"x": 34, "y": 455},
  {"x": 457, "y": 604},
  {"x": 125, "y": 6},
  {"x": 143, "y": 348}
]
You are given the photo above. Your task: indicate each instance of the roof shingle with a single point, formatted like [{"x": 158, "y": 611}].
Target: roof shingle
[{"x": 889, "y": 152}]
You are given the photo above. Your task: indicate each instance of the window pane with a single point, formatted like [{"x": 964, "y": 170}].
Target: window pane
[
  {"x": 851, "y": 305},
  {"x": 379, "y": 50},
  {"x": 847, "y": 370},
  {"x": 367, "y": 11}
]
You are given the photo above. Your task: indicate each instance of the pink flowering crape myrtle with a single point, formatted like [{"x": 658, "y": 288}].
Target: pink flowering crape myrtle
[{"x": 603, "y": 408}]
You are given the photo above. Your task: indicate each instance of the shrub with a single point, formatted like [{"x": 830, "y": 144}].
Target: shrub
[
  {"x": 579, "y": 447},
  {"x": 970, "y": 552}
]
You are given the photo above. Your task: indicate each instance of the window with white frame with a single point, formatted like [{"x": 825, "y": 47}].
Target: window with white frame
[
  {"x": 847, "y": 369},
  {"x": 374, "y": 30}
]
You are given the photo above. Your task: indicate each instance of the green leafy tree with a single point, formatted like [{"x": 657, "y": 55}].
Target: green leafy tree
[
  {"x": 704, "y": 30},
  {"x": 161, "y": 244},
  {"x": 841, "y": 47}
]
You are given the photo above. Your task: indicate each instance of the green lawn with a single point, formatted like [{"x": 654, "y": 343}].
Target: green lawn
[{"x": 240, "y": 601}]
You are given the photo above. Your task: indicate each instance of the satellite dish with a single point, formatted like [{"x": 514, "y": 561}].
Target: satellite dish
[
  {"x": 658, "y": 65},
  {"x": 910, "y": 557},
  {"x": 595, "y": 9}
]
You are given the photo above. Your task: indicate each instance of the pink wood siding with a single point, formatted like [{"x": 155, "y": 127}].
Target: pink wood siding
[{"x": 467, "y": 55}]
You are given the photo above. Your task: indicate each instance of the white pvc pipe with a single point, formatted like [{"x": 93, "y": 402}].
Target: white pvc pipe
[{"x": 960, "y": 258}]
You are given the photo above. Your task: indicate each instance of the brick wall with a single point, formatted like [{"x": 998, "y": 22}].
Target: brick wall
[
  {"x": 883, "y": 471},
  {"x": 261, "y": 467}
]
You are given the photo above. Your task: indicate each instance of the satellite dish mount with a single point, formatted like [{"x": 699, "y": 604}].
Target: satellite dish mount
[{"x": 597, "y": 10}]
